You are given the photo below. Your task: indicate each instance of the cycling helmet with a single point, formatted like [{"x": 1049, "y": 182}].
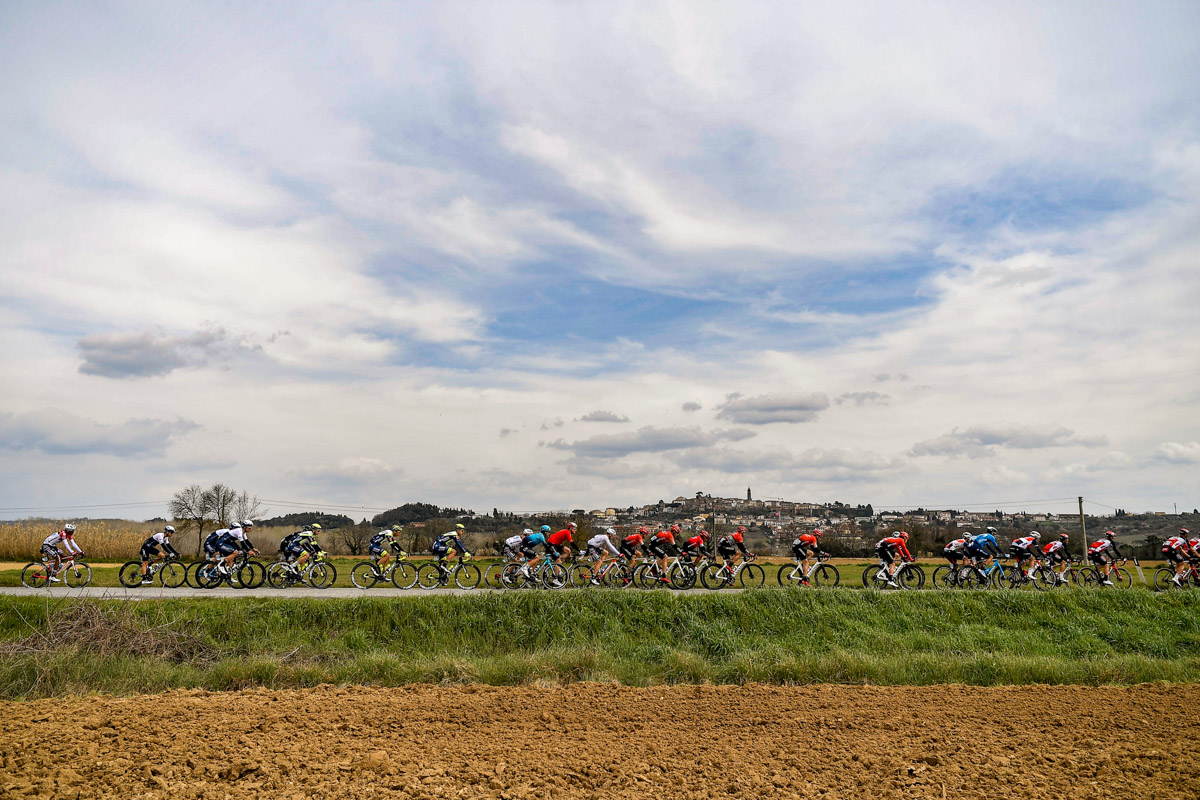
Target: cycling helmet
[
  {"x": 545, "y": 529},
  {"x": 316, "y": 526},
  {"x": 1184, "y": 531},
  {"x": 818, "y": 533},
  {"x": 704, "y": 535},
  {"x": 460, "y": 527},
  {"x": 249, "y": 523},
  {"x": 527, "y": 532},
  {"x": 644, "y": 531},
  {"x": 235, "y": 525},
  {"x": 611, "y": 531},
  {"x": 741, "y": 529},
  {"x": 169, "y": 529},
  {"x": 1063, "y": 536},
  {"x": 674, "y": 529},
  {"x": 990, "y": 529},
  {"x": 69, "y": 527},
  {"x": 1036, "y": 536},
  {"x": 572, "y": 525},
  {"x": 903, "y": 535},
  {"x": 397, "y": 528},
  {"x": 1109, "y": 534}
]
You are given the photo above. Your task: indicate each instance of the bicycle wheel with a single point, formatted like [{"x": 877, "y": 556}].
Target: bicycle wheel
[
  {"x": 429, "y": 576},
  {"x": 943, "y": 577},
  {"x": 910, "y": 577},
  {"x": 1121, "y": 578},
  {"x": 130, "y": 575},
  {"x": 467, "y": 576},
  {"x": 789, "y": 574},
  {"x": 277, "y": 575},
  {"x": 321, "y": 575},
  {"x": 209, "y": 576},
  {"x": 619, "y": 576},
  {"x": 554, "y": 576},
  {"x": 643, "y": 577},
  {"x": 173, "y": 574},
  {"x": 404, "y": 575},
  {"x": 1089, "y": 577},
  {"x": 77, "y": 576},
  {"x": 1164, "y": 580},
  {"x": 35, "y": 575},
  {"x": 875, "y": 577},
  {"x": 752, "y": 576},
  {"x": 714, "y": 577},
  {"x": 826, "y": 575},
  {"x": 579, "y": 575},
  {"x": 189, "y": 574},
  {"x": 1044, "y": 579},
  {"x": 491, "y": 575},
  {"x": 364, "y": 575},
  {"x": 511, "y": 576}
]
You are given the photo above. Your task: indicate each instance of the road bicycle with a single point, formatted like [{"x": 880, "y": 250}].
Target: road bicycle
[
  {"x": 73, "y": 572},
  {"x": 819, "y": 573},
  {"x": 745, "y": 574},
  {"x": 318, "y": 572},
  {"x": 546, "y": 573},
  {"x": 955, "y": 576},
  {"x": 583, "y": 573},
  {"x": 978, "y": 576},
  {"x": 680, "y": 574},
  {"x": 433, "y": 574},
  {"x": 170, "y": 572},
  {"x": 244, "y": 573},
  {"x": 1071, "y": 576},
  {"x": 907, "y": 576},
  {"x": 1120, "y": 578},
  {"x": 1164, "y": 578},
  {"x": 401, "y": 574}
]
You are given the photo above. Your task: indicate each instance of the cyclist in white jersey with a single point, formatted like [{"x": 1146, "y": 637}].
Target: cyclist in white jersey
[
  {"x": 597, "y": 547},
  {"x": 50, "y": 545},
  {"x": 512, "y": 546}
]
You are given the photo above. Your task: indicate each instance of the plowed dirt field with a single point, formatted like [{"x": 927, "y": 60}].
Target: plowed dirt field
[{"x": 599, "y": 741}]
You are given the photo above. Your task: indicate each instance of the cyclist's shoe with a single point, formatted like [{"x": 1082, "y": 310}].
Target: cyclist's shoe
[
  {"x": 1108, "y": 583},
  {"x": 893, "y": 584},
  {"x": 1176, "y": 581},
  {"x": 804, "y": 581},
  {"x": 594, "y": 581},
  {"x": 665, "y": 580},
  {"x": 54, "y": 579},
  {"x": 147, "y": 579}
]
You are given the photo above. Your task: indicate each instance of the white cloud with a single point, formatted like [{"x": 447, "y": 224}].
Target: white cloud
[
  {"x": 57, "y": 432},
  {"x": 981, "y": 440},
  {"x": 649, "y": 440},
  {"x": 1179, "y": 452},
  {"x": 348, "y": 470},
  {"x": 603, "y": 416},
  {"x": 768, "y": 408}
]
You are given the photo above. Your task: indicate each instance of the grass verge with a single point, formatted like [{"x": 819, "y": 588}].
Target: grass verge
[{"x": 53, "y": 647}]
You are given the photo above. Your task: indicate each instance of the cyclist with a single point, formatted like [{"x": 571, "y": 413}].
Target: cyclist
[
  {"x": 512, "y": 546},
  {"x": 1056, "y": 553},
  {"x": 1026, "y": 549},
  {"x": 633, "y": 544},
  {"x": 1177, "y": 550},
  {"x": 531, "y": 541},
  {"x": 448, "y": 542},
  {"x": 954, "y": 552},
  {"x": 561, "y": 542},
  {"x": 383, "y": 544},
  {"x": 150, "y": 551},
  {"x": 236, "y": 539},
  {"x": 598, "y": 548},
  {"x": 661, "y": 546},
  {"x": 308, "y": 544},
  {"x": 803, "y": 546},
  {"x": 732, "y": 547},
  {"x": 984, "y": 547},
  {"x": 289, "y": 547},
  {"x": 886, "y": 550},
  {"x": 694, "y": 546},
  {"x": 1105, "y": 553},
  {"x": 66, "y": 538}
]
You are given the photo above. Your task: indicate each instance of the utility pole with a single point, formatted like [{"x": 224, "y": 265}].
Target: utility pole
[{"x": 1083, "y": 529}]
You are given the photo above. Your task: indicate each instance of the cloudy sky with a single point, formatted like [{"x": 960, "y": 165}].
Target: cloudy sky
[{"x": 547, "y": 255}]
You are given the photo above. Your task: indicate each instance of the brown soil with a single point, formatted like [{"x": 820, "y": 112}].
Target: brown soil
[{"x": 599, "y": 741}]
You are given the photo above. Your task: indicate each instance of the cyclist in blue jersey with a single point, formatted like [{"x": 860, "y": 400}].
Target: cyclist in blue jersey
[
  {"x": 448, "y": 543},
  {"x": 985, "y": 546},
  {"x": 531, "y": 541}
]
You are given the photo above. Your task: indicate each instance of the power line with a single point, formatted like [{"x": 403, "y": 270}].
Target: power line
[
  {"x": 94, "y": 505},
  {"x": 977, "y": 505}
]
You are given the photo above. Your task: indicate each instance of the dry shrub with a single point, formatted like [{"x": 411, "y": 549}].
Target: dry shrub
[
  {"x": 102, "y": 540},
  {"x": 112, "y": 630}
]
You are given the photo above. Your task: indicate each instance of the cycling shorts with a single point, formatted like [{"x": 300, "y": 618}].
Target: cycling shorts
[
  {"x": 294, "y": 551},
  {"x": 885, "y": 554},
  {"x": 1056, "y": 557},
  {"x": 662, "y": 549},
  {"x": 953, "y": 555},
  {"x": 148, "y": 552},
  {"x": 726, "y": 550},
  {"x": 556, "y": 549},
  {"x": 1174, "y": 556},
  {"x": 1020, "y": 554},
  {"x": 510, "y": 553},
  {"x": 801, "y": 551},
  {"x": 51, "y": 551},
  {"x": 1099, "y": 558},
  {"x": 439, "y": 550},
  {"x": 529, "y": 553},
  {"x": 595, "y": 553},
  {"x": 226, "y": 548},
  {"x": 375, "y": 550},
  {"x": 629, "y": 550}
]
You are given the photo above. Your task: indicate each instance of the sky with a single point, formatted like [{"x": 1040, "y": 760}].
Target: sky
[{"x": 541, "y": 255}]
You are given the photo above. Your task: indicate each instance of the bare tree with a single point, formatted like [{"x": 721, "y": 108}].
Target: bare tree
[
  {"x": 193, "y": 508},
  {"x": 246, "y": 507},
  {"x": 355, "y": 537},
  {"x": 223, "y": 500}
]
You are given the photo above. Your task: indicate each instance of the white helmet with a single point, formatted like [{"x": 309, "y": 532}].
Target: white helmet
[
  {"x": 1036, "y": 535},
  {"x": 235, "y": 525},
  {"x": 69, "y": 527},
  {"x": 611, "y": 531},
  {"x": 169, "y": 529},
  {"x": 248, "y": 523},
  {"x": 527, "y": 532}
]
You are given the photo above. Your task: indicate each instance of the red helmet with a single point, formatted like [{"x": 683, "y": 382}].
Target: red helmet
[
  {"x": 818, "y": 532},
  {"x": 903, "y": 535},
  {"x": 1109, "y": 534},
  {"x": 674, "y": 529},
  {"x": 704, "y": 535},
  {"x": 1063, "y": 536},
  {"x": 741, "y": 529},
  {"x": 643, "y": 530}
]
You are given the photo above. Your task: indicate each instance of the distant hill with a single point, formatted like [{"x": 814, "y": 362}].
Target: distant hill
[
  {"x": 416, "y": 512},
  {"x": 308, "y": 518}
]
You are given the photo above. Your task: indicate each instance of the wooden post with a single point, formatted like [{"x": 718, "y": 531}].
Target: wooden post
[{"x": 1083, "y": 530}]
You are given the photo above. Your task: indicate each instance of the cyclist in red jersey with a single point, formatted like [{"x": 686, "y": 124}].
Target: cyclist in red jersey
[
  {"x": 633, "y": 544},
  {"x": 886, "y": 550},
  {"x": 662, "y": 546},
  {"x": 1104, "y": 553},
  {"x": 732, "y": 546},
  {"x": 1025, "y": 549},
  {"x": 695, "y": 546},
  {"x": 1056, "y": 553},
  {"x": 803, "y": 547},
  {"x": 1177, "y": 550},
  {"x": 561, "y": 541}
]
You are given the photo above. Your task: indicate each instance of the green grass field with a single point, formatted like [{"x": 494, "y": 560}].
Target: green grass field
[{"x": 58, "y": 646}]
